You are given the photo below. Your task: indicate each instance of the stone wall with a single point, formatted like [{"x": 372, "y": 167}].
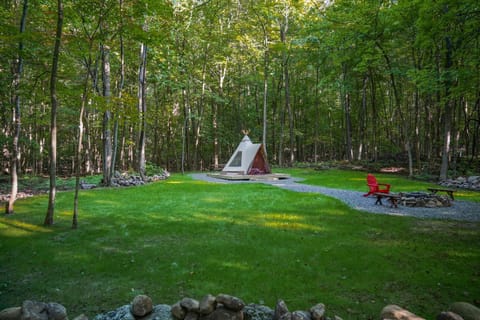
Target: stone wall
[
  {"x": 220, "y": 307},
  {"x": 471, "y": 183}
]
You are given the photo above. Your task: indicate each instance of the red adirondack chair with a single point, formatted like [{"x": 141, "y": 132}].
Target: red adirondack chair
[{"x": 374, "y": 186}]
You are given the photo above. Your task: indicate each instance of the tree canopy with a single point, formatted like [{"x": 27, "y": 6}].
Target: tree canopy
[{"x": 316, "y": 80}]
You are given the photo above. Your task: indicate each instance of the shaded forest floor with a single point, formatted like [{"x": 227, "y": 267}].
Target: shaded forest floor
[{"x": 29, "y": 186}]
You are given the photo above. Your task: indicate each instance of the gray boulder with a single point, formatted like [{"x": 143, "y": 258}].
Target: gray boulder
[
  {"x": 224, "y": 314},
  {"x": 281, "y": 311},
  {"x": 257, "y": 312},
  {"x": 142, "y": 305},
  {"x": 11, "y": 313},
  {"x": 207, "y": 304},
  {"x": 230, "y": 302},
  {"x": 34, "y": 310},
  {"x": 448, "y": 315},
  {"x": 466, "y": 310},
  {"x": 121, "y": 313},
  {"x": 318, "y": 311},
  {"x": 56, "y": 311},
  {"x": 394, "y": 312},
  {"x": 160, "y": 312},
  {"x": 301, "y": 315},
  {"x": 190, "y": 304},
  {"x": 178, "y": 311}
]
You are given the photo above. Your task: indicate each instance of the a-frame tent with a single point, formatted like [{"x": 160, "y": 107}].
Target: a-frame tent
[{"x": 248, "y": 159}]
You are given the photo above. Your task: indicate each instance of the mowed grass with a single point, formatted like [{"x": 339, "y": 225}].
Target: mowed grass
[{"x": 180, "y": 237}]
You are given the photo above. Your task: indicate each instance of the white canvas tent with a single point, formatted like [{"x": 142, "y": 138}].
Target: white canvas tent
[{"x": 248, "y": 158}]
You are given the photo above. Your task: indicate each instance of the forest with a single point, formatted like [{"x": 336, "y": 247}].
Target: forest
[{"x": 96, "y": 86}]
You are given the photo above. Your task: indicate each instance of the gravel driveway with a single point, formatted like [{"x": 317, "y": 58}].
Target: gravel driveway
[{"x": 460, "y": 210}]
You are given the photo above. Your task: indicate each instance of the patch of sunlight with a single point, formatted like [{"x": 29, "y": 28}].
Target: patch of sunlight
[
  {"x": 463, "y": 254},
  {"x": 213, "y": 200},
  {"x": 284, "y": 221},
  {"x": 174, "y": 182},
  {"x": 466, "y": 195},
  {"x": 65, "y": 213},
  {"x": 235, "y": 265},
  {"x": 211, "y": 218},
  {"x": 13, "y": 228},
  {"x": 292, "y": 226},
  {"x": 283, "y": 216},
  {"x": 336, "y": 212}
]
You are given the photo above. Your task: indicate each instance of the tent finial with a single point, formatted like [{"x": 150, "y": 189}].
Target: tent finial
[{"x": 245, "y": 132}]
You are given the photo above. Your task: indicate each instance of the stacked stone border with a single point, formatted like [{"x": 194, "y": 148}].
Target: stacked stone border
[{"x": 220, "y": 307}]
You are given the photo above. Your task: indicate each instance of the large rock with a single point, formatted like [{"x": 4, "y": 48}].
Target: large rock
[
  {"x": 224, "y": 314},
  {"x": 191, "y": 316},
  {"x": 142, "y": 305},
  {"x": 318, "y": 311},
  {"x": 190, "y": 304},
  {"x": 56, "y": 311},
  {"x": 281, "y": 311},
  {"x": 230, "y": 302},
  {"x": 34, "y": 310},
  {"x": 160, "y": 312},
  {"x": 178, "y": 311},
  {"x": 81, "y": 317},
  {"x": 448, "y": 315},
  {"x": 121, "y": 313},
  {"x": 11, "y": 313},
  {"x": 466, "y": 310},
  {"x": 394, "y": 312},
  {"x": 301, "y": 315},
  {"x": 257, "y": 312},
  {"x": 207, "y": 304},
  {"x": 473, "y": 179}
]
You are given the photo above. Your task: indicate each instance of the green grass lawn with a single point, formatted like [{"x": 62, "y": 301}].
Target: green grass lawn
[
  {"x": 356, "y": 180},
  {"x": 181, "y": 237}
]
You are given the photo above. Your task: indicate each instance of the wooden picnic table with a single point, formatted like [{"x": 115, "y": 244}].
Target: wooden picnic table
[{"x": 449, "y": 192}]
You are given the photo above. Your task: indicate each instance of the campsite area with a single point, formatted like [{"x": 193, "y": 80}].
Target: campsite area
[{"x": 318, "y": 159}]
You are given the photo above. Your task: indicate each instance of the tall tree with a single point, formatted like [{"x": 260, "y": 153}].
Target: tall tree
[
  {"x": 142, "y": 108},
  {"x": 107, "y": 116},
  {"x": 53, "y": 119},
  {"x": 18, "y": 68}
]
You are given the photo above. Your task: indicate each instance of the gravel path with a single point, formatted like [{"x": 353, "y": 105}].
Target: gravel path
[{"x": 460, "y": 210}]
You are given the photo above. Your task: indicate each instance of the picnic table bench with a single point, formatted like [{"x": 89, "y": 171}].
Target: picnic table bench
[
  {"x": 392, "y": 197},
  {"x": 449, "y": 192}
]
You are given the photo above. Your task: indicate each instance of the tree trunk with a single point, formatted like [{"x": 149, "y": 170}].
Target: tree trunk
[
  {"x": 78, "y": 154},
  {"x": 107, "y": 140},
  {"x": 53, "y": 119},
  {"x": 316, "y": 129},
  {"x": 447, "y": 129},
  {"x": 265, "y": 93},
  {"x": 286, "y": 80},
  {"x": 142, "y": 109},
  {"x": 363, "y": 118},
  {"x": 119, "y": 94},
  {"x": 17, "y": 116},
  {"x": 374, "y": 116},
  {"x": 348, "y": 122}
]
